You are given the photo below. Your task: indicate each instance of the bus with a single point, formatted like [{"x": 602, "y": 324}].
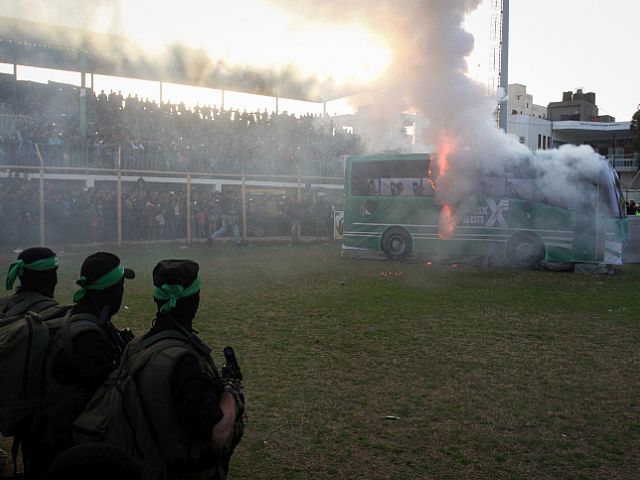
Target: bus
[{"x": 391, "y": 206}]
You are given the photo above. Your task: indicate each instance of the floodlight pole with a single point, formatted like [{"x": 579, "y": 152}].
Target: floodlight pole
[
  {"x": 244, "y": 208},
  {"x": 42, "y": 219},
  {"x": 119, "y": 196},
  {"x": 504, "y": 65},
  {"x": 83, "y": 96},
  {"x": 189, "y": 208}
]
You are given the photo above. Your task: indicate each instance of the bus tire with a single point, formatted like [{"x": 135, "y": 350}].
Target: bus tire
[
  {"x": 525, "y": 250},
  {"x": 396, "y": 243}
]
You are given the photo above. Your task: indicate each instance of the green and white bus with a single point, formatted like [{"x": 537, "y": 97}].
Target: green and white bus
[{"x": 391, "y": 206}]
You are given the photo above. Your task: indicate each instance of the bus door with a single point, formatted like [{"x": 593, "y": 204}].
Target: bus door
[{"x": 588, "y": 241}]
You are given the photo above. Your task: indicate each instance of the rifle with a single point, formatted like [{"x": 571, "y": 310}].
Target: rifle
[
  {"x": 232, "y": 377},
  {"x": 231, "y": 369}
]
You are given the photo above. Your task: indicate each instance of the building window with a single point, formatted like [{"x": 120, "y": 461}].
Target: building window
[{"x": 539, "y": 141}]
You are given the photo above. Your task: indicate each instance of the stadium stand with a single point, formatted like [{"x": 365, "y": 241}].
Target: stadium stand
[{"x": 166, "y": 137}]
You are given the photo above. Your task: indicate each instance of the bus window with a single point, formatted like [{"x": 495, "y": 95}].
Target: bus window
[
  {"x": 373, "y": 186},
  {"x": 608, "y": 195},
  {"x": 398, "y": 187},
  {"x": 427, "y": 187},
  {"x": 395, "y": 178}
]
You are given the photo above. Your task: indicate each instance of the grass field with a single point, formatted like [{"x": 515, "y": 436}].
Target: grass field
[{"x": 496, "y": 374}]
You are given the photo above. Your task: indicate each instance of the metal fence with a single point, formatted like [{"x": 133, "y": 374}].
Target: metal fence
[
  {"x": 155, "y": 159},
  {"x": 59, "y": 201}
]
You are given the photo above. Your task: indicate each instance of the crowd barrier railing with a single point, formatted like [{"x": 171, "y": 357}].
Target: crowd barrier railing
[{"x": 45, "y": 225}]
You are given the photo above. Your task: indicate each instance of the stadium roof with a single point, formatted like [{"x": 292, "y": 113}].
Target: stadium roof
[{"x": 48, "y": 46}]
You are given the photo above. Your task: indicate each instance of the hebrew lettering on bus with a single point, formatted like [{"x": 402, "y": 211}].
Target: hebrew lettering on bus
[{"x": 494, "y": 211}]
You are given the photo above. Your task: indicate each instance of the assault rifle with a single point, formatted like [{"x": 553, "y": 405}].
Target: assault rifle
[
  {"x": 232, "y": 377},
  {"x": 231, "y": 369}
]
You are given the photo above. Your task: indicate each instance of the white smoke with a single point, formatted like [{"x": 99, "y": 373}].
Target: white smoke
[{"x": 429, "y": 74}]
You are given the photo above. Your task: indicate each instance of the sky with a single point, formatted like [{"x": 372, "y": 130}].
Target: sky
[
  {"x": 562, "y": 45},
  {"x": 555, "y": 46}
]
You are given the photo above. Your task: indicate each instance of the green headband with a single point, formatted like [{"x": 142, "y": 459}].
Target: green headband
[
  {"x": 104, "y": 282},
  {"x": 172, "y": 293},
  {"x": 17, "y": 268}
]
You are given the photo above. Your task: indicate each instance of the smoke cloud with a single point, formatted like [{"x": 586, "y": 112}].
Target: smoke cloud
[{"x": 428, "y": 74}]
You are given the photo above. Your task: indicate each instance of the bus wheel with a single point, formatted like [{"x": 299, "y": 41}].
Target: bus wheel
[
  {"x": 525, "y": 251},
  {"x": 396, "y": 243}
]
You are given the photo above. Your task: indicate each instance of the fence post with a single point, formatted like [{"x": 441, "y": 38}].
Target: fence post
[
  {"x": 119, "y": 195},
  {"x": 299, "y": 188},
  {"x": 189, "y": 208},
  {"x": 42, "y": 219},
  {"x": 244, "y": 208}
]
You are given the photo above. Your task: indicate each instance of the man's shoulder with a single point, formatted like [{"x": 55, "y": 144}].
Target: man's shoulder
[
  {"x": 23, "y": 302},
  {"x": 173, "y": 343}
]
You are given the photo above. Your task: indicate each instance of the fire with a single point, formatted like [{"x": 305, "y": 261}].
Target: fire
[
  {"x": 447, "y": 221},
  {"x": 445, "y": 149}
]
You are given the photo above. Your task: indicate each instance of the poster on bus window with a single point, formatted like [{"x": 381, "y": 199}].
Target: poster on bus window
[{"x": 338, "y": 220}]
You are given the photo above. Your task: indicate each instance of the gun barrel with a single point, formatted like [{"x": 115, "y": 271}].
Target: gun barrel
[{"x": 231, "y": 362}]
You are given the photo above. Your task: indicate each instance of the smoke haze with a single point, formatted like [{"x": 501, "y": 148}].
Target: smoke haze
[{"x": 428, "y": 74}]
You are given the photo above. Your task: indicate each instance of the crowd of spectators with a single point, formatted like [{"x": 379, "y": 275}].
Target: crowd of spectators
[
  {"x": 167, "y": 136},
  {"x": 149, "y": 212}
]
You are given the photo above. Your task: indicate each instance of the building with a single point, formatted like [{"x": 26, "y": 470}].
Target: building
[
  {"x": 521, "y": 103},
  {"x": 613, "y": 140},
  {"x": 534, "y": 132},
  {"x": 578, "y": 106},
  {"x": 526, "y": 120}
]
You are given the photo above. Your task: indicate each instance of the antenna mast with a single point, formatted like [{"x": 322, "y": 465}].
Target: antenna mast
[{"x": 499, "y": 58}]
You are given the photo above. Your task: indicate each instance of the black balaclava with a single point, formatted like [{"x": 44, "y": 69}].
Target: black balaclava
[
  {"x": 183, "y": 273},
  {"x": 93, "y": 268},
  {"x": 44, "y": 281}
]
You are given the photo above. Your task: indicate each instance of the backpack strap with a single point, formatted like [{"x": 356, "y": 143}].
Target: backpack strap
[
  {"x": 31, "y": 299},
  {"x": 55, "y": 311},
  {"x": 169, "y": 339},
  {"x": 15, "y": 450},
  {"x": 65, "y": 330},
  {"x": 178, "y": 333}
]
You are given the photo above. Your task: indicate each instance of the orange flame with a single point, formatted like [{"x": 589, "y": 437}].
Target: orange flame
[
  {"x": 447, "y": 221},
  {"x": 446, "y": 147}
]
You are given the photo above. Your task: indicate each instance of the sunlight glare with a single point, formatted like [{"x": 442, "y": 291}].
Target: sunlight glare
[{"x": 255, "y": 33}]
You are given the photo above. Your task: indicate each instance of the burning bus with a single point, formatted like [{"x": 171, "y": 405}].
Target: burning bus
[{"x": 398, "y": 204}]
